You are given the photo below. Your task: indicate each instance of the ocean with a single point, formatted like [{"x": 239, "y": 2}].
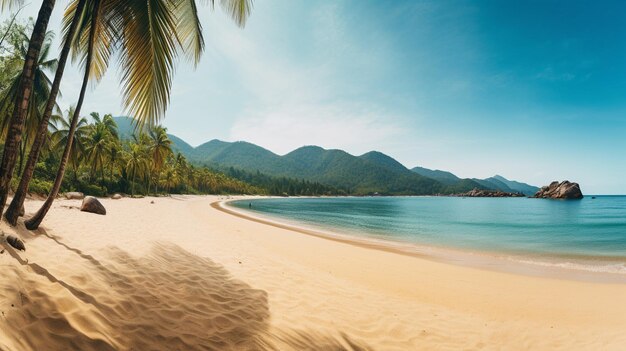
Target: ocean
[{"x": 588, "y": 234}]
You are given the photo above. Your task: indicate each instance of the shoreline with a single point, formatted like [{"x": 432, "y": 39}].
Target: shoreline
[
  {"x": 168, "y": 273},
  {"x": 568, "y": 267}
]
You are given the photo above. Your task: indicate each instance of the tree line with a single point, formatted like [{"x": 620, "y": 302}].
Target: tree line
[
  {"x": 284, "y": 186},
  {"x": 102, "y": 163}
]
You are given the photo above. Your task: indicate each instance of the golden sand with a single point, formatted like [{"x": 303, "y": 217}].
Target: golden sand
[{"x": 181, "y": 275}]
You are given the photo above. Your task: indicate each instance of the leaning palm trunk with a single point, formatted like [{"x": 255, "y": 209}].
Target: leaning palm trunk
[
  {"x": 16, "y": 124},
  {"x": 35, "y": 221},
  {"x": 20, "y": 195}
]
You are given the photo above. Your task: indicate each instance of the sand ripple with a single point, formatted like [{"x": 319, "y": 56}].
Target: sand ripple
[{"x": 167, "y": 300}]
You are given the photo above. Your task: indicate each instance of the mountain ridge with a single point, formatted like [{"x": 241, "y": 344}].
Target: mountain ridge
[{"x": 370, "y": 173}]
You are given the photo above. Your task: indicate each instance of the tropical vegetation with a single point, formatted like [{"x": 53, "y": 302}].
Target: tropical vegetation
[{"x": 147, "y": 37}]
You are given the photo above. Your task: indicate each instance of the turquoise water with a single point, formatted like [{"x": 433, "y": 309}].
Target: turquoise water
[{"x": 589, "y": 228}]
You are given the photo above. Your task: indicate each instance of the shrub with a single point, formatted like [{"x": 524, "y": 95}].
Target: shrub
[
  {"x": 38, "y": 186},
  {"x": 93, "y": 190}
]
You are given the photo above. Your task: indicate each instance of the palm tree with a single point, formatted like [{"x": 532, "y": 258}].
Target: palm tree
[
  {"x": 148, "y": 37},
  {"x": 107, "y": 122},
  {"x": 160, "y": 149},
  {"x": 33, "y": 222},
  {"x": 22, "y": 99},
  {"x": 42, "y": 132},
  {"x": 136, "y": 164},
  {"x": 181, "y": 167},
  {"x": 39, "y": 94},
  {"x": 113, "y": 155},
  {"x": 60, "y": 135},
  {"x": 170, "y": 180},
  {"x": 96, "y": 148}
]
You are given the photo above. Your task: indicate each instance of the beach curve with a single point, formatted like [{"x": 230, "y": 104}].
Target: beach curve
[{"x": 181, "y": 248}]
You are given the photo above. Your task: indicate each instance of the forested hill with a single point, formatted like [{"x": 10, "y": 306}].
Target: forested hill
[
  {"x": 370, "y": 173},
  {"x": 493, "y": 183}
]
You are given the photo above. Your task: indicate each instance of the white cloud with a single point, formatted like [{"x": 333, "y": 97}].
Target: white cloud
[{"x": 282, "y": 130}]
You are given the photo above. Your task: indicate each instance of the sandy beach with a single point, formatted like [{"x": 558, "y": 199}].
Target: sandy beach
[{"x": 179, "y": 274}]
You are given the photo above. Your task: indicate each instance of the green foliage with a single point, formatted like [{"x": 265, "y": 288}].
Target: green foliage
[
  {"x": 280, "y": 186},
  {"x": 93, "y": 189},
  {"x": 39, "y": 186}
]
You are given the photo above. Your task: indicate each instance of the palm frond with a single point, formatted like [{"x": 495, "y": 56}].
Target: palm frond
[
  {"x": 147, "y": 58},
  {"x": 189, "y": 32},
  {"x": 104, "y": 43},
  {"x": 239, "y": 10},
  {"x": 10, "y": 4}
]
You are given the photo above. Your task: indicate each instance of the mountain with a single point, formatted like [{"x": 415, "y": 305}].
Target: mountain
[
  {"x": 366, "y": 174},
  {"x": 370, "y": 173},
  {"x": 493, "y": 184},
  {"x": 126, "y": 128},
  {"x": 442, "y": 176},
  {"x": 383, "y": 160},
  {"x": 496, "y": 182},
  {"x": 524, "y": 188}
]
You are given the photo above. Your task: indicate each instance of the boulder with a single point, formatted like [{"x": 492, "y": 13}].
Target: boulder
[
  {"x": 563, "y": 190},
  {"x": 74, "y": 195},
  {"x": 91, "y": 204},
  {"x": 116, "y": 196}
]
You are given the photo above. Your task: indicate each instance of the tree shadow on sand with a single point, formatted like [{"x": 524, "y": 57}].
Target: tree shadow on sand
[{"x": 169, "y": 299}]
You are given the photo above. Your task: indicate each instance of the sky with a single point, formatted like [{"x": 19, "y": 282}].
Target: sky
[{"x": 530, "y": 90}]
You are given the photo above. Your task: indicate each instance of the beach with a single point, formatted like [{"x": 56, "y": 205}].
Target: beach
[{"x": 176, "y": 273}]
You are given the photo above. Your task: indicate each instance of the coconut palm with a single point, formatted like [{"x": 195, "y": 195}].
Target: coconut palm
[
  {"x": 136, "y": 164},
  {"x": 60, "y": 134},
  {"x": 22, "y": 99},
  {"x": 38, "y": 95},
  {"x": 160, "y": 149},
  {"x": 107, "y": 122},
  {"x": 170, "y": 180},
  {"x": 114, "y": 155},
  {"x": 148, "y": 37},
  {"x": 96, "y": 148},
  {"x": 33, "y": 222},
  {"x": 42, "y": 132}
]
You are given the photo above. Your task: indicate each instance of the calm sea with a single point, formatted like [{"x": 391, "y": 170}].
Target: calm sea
[{"x": 589, "y": 229}]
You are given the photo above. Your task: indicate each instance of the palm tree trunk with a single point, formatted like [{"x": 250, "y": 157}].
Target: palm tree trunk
[
  {"x": 75, "y": 169},
  {"x": 22, "y": 189},
  {"x": 35, "y": 221},
  {"x": 132, "y": 185},
  {"x": 16, "y": 124},
  {"x": 20, "y": 167}
]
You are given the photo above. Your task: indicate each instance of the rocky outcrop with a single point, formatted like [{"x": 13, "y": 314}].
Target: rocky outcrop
[
  {"x": 562, "y": 190},
  {"x": 74, "y": 195},
  {"x": 488, "y": 193},
  {"x": 92, "y": 205}
]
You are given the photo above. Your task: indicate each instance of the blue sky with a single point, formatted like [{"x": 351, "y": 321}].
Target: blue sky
[{"x": 531, "y": 90}]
